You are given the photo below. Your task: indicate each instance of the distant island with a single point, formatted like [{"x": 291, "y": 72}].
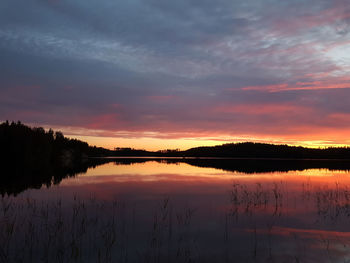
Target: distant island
[{"x": 244, "y": 150}]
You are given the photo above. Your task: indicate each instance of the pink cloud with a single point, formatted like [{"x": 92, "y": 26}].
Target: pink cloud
[
  {"x": 340, "y": 83},
  {"x": 103, "y": 121},
  {"x": 160, "y": 98},
  {"x": 305, "y": 22},
  {"x": 259, "y": 109}
]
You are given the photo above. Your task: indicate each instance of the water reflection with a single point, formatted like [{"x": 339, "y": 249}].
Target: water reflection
[
  {"x": 16, "y": 179},
  {"x": 174, "y": 211},
  {"x": 247, "y": 165}
]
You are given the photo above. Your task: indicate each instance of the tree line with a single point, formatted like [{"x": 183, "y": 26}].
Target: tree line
[
  {"x": 37, "y": 146},
  {"x": 32, "y": 157}
]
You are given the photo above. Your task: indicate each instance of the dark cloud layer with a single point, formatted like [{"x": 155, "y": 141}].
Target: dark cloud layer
[{"x": 187, "y": 67}]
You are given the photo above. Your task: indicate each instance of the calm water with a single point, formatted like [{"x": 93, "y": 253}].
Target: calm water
[{"x": 156, "y": 211}]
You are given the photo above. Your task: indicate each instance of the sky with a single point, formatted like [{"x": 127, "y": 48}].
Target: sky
[{"x": 176, "y": 74}]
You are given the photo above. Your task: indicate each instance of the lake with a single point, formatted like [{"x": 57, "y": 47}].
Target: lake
[{"x": 174, "y": 210}]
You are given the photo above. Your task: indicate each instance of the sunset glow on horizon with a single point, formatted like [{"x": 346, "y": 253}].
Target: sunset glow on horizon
[
  {"x": 185, "y": 144},
  {"x": 164, "y": 75},
  {"x": 155, "y": 144}
]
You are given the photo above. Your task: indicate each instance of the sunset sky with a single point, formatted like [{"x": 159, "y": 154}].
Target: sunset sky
[{"x": 159, "y": 74}]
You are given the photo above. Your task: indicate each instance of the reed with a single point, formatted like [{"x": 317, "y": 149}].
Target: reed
[{"x": 91, "y": 230}]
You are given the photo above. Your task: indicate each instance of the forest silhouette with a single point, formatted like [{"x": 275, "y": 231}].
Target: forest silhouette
[{"x": 32, "y": 157}]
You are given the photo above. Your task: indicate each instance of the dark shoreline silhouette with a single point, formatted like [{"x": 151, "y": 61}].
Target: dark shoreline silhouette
[
  {"x": 248, "y": 150},
  {"x": 33, "y": 157},
  {"x": 35, "y": 145}
]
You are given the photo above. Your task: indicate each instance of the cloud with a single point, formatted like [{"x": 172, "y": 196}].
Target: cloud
[{"x": 176, "y": 68}]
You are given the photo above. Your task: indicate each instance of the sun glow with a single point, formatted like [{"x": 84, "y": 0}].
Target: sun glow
[{"x": 155, "y": 144}]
